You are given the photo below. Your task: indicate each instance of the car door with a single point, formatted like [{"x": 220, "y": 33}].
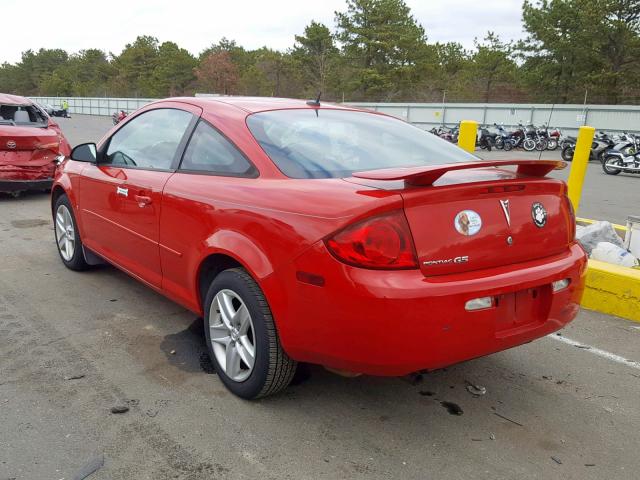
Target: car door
[
  {"x": 121, "y": 195},
  {"x": 213, "y": 170}
]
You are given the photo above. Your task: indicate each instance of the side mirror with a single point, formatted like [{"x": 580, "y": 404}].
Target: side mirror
[{"x": 85, "y": 152}]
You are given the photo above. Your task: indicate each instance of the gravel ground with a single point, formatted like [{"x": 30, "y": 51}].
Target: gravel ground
[{"x": 74, "y": 345}]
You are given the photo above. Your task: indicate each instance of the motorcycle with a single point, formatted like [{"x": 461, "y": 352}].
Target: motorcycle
[
  {"x": 117, "y": 117},
  {"x": 616, "y": 162},
  {"x": 515, "y": 138},
  {"x": 485, "y": 139},
  {"x": 601, "y": 143},
  {"x": 500, "y": 136},
  {"x": 535, "y": 140}
]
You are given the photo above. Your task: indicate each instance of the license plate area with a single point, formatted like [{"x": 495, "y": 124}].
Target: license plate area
[{"x": 522, "y": 309}]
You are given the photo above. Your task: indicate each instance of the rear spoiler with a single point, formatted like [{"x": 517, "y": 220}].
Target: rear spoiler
[{"x": 427, "y": 175}]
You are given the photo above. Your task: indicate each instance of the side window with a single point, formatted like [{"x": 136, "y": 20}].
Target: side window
[
  {"x": 148, "y": 141},
  {"x": 209, "y": 151}
]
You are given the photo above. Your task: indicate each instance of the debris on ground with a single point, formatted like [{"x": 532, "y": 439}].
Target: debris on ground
[
  {"x": 75, "y": 376},
  {"x": 557, "y": 460},
  {"x": 597, "y": 232},
  {"x": 426, "y": 393},
  {"x": 172, "y": 352},
  {"x": 508, "y": 419},
  {"x": 133, "y": 402},
  {"x": 119, "y": 409},
  {"x": 475, "y": 390},
  {"x": 452, "y": 408},
  {"x": 610, "y": 253},
  {"x": 492, "y": 436},
  {"x": 91, "y": 467}
]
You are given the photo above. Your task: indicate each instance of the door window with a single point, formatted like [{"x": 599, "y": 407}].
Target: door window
[
  {"x": 149, "y": 141},
  {"x": 209, "y": 151}
]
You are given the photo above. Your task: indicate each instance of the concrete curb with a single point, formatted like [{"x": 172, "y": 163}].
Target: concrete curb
[{"x": 612, "y": 289}]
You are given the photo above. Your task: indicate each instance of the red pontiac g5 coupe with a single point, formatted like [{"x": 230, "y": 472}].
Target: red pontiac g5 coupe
[{"x": 324, "y": 234}]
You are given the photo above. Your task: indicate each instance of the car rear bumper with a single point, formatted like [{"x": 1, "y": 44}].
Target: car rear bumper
[
  {"x": 24, "y": 185},
  {"x": 398, "y": 322}
]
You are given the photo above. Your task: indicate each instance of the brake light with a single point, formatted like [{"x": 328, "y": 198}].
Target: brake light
[
  {"x": 572, "y": 218},
  {"x": 382, "y": 242}
]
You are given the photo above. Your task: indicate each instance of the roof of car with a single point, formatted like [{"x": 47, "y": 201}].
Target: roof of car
[
  {"x": 258, "y": 104},
  {"x": 8, "y": 99}
]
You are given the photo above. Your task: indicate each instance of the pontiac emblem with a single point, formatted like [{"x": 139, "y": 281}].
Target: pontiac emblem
[
  {"x": 505, "y": 209},
  {"x": 11, "y": 145}
]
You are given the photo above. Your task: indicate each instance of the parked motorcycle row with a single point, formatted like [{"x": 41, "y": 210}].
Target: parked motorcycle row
[
  {"x": 617, "y": 153},
  {"x": 529, "y": 137}
]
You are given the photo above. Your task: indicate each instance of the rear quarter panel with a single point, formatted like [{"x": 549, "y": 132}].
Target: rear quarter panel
[{"x": 260, "y": 222}]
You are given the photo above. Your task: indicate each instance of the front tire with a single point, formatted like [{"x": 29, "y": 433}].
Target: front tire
[
  {"x": 529, "y": 145},
  {"x": 567, "y": 153},
  {"x": 242, "y": 338},
  {"x": 67, "y": 235},
  {"x": 552, "y": 144}
]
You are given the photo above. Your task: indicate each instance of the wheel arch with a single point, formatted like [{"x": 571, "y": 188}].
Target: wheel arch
[
  {"x": 56, "y": 192},
  {"x": 228, "y": 249}
]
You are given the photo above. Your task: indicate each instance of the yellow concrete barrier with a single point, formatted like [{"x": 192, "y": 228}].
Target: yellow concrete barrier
[
  {"x": 579, "y": 164},
  {"x": 467, "y": 135},
  {"x": 613, "y": 290}
]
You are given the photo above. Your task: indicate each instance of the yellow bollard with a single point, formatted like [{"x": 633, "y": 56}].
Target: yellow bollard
[
  {"x": 467, "y": 135},
  {"x": 579, "y": 164}
]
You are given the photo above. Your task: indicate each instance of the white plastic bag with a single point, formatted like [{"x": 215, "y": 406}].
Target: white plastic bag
[
  {"x": 610, "y": 253},
  {"x": 595, "y": 233}
]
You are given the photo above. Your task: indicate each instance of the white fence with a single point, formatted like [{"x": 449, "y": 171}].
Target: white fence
[
  {"x": 95, "y": 105},
  {"x": 612, "y": 118}
]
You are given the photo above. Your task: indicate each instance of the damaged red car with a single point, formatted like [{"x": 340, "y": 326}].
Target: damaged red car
[
  {"x": 305, "y": 232},
  {"x": 31, "y": 146}
]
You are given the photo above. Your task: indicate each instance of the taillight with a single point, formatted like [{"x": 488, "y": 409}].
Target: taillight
[
  {"x": 382, "y": 242},
  {"x": 572, "y": 219}
]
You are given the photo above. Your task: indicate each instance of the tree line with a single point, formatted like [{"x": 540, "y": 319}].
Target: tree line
[{"x": 376, "y": 51}]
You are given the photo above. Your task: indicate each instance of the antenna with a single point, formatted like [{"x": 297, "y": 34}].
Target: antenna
[
  {"x": 547, "y": 127},
  {"x": 316, "y": 102}
]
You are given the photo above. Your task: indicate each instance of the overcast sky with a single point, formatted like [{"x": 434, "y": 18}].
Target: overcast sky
[{"x": 80, "y": 24}]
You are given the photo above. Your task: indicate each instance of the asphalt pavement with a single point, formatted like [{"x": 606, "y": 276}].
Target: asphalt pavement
[{"x": 75, "y": 345}]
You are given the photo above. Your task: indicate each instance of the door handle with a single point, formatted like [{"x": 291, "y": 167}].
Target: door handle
[{"x": 143, "y": 200}]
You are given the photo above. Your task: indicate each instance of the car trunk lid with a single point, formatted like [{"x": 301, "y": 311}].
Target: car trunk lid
[
  {"x": 20, "y": 138},
  {"x": 463, "y": 221}
]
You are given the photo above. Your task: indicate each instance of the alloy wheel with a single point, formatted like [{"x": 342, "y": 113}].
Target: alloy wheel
[
  {"x": 232, "y": 335},
  {"x": 65, "y": 233}
]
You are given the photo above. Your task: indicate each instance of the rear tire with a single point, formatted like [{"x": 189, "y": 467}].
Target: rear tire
[
  {"x": 608, "y": 169},
  {"x": 232, "y": 295},
  {"x": 508, "y": 146},
  {"x": 67, "y": 235}
]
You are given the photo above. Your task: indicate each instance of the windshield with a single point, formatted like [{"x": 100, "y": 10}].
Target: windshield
[{"x": 327, "y": 143}]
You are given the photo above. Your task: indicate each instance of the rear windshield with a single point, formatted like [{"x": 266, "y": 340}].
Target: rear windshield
[
  {"x": 325, "y": 143},
  {"x": 28, "y": 115}
]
